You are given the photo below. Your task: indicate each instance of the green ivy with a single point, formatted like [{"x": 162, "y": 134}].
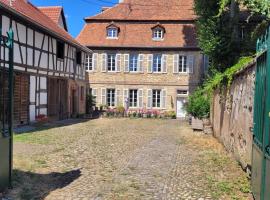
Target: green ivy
[
  {"x": 226, "y": 78},
  {"x": 199, "y": 102}
]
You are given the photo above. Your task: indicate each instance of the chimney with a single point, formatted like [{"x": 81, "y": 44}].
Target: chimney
[{"x": 104, "y": 8}]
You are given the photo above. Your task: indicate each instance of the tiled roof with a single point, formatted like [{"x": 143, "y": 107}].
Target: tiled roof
[
  {"x": 54, "y": 12},
  {"x": 139, "y": 35},
  {"x": 149, "y": 10},
  {"x": 32, "y": 14}
]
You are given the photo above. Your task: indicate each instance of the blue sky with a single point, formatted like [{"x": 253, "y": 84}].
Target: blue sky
[{"x": 76, "y": 10}]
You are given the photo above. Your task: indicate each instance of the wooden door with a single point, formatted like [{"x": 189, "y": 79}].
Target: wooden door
[
  {"x": 57, "y": 99},
  {"x": 21, "y": 99}
]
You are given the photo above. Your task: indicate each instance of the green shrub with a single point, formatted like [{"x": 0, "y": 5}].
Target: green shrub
[
  {"x": 120, "y": 111},
  {"x": 90, "y": 103},
  {"x": 170, "y": 114},
  {"x": 198, "y": 104}
]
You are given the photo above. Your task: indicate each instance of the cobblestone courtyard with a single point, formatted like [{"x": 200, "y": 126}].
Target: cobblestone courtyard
[{"x": 123, "y": 159}]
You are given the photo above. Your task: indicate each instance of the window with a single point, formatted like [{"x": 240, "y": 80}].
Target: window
[
  {"x": 111, "y": 97},
  {"x": 133, "y": 98},
  {"x": 112, "y": 33},
  {"x": 60, "y": 50},
  {"x": 182, "y": 92},
  {"x": 111, "y": 64},
  {"x": 79, "y": 57},
  {"x": 182, "y": 64},
  {"x": 157, "y": 63},
  {"x": 158, "y": 33},
  {"x": 156, "y": 98},
  {"x": 82, "y": 93},
  {"x": 133, "y": 63},
  {"x": 89, "y": 63}
]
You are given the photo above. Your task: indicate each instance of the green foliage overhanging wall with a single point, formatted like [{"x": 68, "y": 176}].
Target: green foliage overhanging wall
[{"x": 218, "y": 28}]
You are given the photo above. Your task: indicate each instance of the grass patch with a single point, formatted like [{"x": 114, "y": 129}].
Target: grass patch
[
  {"x": 224, "y": 178},
  {"x": 33, "y": 138}
]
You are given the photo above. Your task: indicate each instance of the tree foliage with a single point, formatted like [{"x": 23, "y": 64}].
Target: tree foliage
[
  {"x": 218, "y": 28},
  {"x": 217, "y": 35}
]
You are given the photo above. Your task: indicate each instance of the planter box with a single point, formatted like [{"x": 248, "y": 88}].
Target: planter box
[{"x": 197, "y": 124}]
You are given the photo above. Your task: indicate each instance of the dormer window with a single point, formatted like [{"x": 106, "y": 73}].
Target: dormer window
[
  {"x": 158, "y": 32},
  {"x": 112, "y": 33}
]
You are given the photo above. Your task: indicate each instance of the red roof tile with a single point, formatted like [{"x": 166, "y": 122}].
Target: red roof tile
[
  {"x": 149, "y": 10},
  {"x": 139, "y": 35},
  {"x": 136, "y": 18},
  {"x": 54, "y": 12},
  {"x": 32, "y": 14}
]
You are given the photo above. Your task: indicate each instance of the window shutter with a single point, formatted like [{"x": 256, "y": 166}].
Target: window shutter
[
  {"x": 206, "y": 63},
  {"x": 140, "y": 63},
  {"x": 175, "y": 63},
  {"x": 126, "y": 63},
  {"x": 149, "y": 99},
  {"x": 118, "y": 97},
  {"x": 95, "y": 61},
  {"x": 103, "y": 96},
  {"x": 140, "y": 98},
  {"x": 190, "y": 61},
  {"x": 150, "y": 63},
  {"x": 163, "y": 100},
  {"x": 118, "y": 62},
  {"x": 94, "y": 92},
  {"x": 164, "y": 63},
  {"x": 125, "y": 96},
  {"x": 104, "y": 62}
]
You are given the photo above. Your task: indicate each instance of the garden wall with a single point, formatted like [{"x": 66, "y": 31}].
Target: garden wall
[{"x": 232, "y": 115}]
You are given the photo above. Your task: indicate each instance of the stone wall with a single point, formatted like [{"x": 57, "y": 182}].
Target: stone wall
[{"x": 232, "y": 115}]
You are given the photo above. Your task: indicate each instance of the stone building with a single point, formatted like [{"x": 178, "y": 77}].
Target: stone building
[
  {"x": 145, "y": 54},
  {"x": 49, "y": 72}
]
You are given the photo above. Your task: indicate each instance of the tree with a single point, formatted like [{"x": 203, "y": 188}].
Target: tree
[{"x": 218, "y": 31}]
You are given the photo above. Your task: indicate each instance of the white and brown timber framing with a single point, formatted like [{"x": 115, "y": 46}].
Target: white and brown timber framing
[{"x": 36, "y": 62}]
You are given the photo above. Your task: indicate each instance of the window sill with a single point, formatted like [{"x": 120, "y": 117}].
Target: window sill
[
  {"x": 157, "y": 39},
  {"x": 112, "y": 38}
]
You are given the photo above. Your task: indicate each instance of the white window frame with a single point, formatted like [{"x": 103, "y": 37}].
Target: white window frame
[
  {"x": 158, "y": 34},
  {"x": 183, "y": 64},
  {"x": 110, "y": 57},
  {"x": 112, "y": 33},
  {"x": 89, "y": 63},
  {"x": 133, "y": 102},
  {"x": 133, "y": 62},
  {"x": 159, "y": 62},
  {"x": 155, "y": 100},
  {"x": 111, "y": 97},
  {"x": 183, "y": 94}
]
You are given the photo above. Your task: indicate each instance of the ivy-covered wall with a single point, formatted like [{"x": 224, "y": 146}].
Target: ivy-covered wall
[{"x": 232, "y": 115}]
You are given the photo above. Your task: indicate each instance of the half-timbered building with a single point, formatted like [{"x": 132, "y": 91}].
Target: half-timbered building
[{"x": 48, "y": 63}]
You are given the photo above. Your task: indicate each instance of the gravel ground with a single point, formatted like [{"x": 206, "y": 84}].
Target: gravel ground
[{"x": 122, "y": 159}]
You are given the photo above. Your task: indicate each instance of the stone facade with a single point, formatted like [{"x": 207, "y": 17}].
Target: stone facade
[
  {"x": 168, "y": 81},
  {"x": 232, "y": 116}
]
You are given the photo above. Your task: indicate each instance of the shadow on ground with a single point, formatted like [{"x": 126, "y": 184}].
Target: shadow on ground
[
  {"x": 32, "y": 186},
  {"x": 48, "y": 125}
]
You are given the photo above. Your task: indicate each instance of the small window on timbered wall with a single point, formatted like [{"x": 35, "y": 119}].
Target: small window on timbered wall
[
  {"x": 79, "y": 57},
  {"x": 60, "y": 50}
]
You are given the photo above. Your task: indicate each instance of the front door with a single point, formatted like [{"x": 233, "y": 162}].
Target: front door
[{"x": 181, "y": 113}]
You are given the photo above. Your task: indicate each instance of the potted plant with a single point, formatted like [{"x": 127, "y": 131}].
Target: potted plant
[{"x": 198, "y": 107}]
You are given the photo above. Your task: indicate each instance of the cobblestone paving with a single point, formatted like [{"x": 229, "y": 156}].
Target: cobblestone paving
[{"x": 122, "y": 159}]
